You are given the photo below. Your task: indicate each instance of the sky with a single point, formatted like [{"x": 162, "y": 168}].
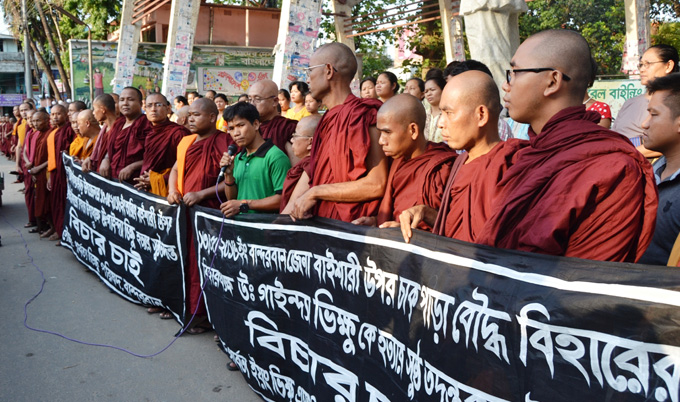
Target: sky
[{"x": 3, "y": 26}]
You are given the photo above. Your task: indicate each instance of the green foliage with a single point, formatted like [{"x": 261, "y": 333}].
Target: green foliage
[
  {"x": 601, "y": 22},
  {"x": 668, "y": 34},
  {"x": 97, "y": 13}
]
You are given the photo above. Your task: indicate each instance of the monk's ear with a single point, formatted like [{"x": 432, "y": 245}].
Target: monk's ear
[
  {"x": 482, "y": 115},
  {"x": 413, "y": 130},
  {"x": 555, "y": 83}
]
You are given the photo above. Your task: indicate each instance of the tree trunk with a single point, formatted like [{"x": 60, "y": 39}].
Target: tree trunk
[
  {"x": 47, "y": 69},
  {"x": 53, "y": 48}
]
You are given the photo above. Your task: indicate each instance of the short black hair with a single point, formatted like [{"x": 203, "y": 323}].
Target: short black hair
[
  {"x": 370, "y": 79},
  {"x": 243, "y": 110},
  {"x": 285, "y": 93},
  {"x": 670, "y": 83},
  {"x": 667, "y": 53},
  {"x": 137, "y": 91},
  {"x": 181, "y": 99},
  {"x": 210, "y": 90},
  {"x": 421, "y": 83},
  {"x": 467, "y": 65},
  {"x": 196, "y": 94},
  {"x": 243, "y": 96},
  {"x": 223, "y": 97},
  {"x": 393, "y": 80},
  {"x": 300, "y": 85},
  {"x": 80, "y": 105},
  {"x": 107, "y": 101}
]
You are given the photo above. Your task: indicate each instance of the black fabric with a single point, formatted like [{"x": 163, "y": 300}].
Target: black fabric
[
  {"x": 438, "y": 319},
  {"x": 667, "y": 223},
  {"x": 135, "y": 242}
]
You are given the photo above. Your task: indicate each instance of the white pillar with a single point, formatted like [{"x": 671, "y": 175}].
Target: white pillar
[
  {"x": 637, "y": 34},
  {"x": 127, "y": 48},
  {"x": 179, "y": 47}
]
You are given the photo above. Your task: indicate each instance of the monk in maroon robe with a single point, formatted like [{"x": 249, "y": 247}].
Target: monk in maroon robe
[
  {"x": 27, "y": 154},
  {"x": 192, "y": 181},
  {"x": 349, "y": 169},
  {"x": 273, "y": 126},
  {"x": 302, "y": 145},
  {"x": 126, "y": 143},
  {"x": 57, "y": 181},
  {"x": 41, "y": 121},
  {"x": 160, "y": 146},
  {"x": 419, "y": 168},
  {"x": 579, "y": 190},
  {"x": 104, "y": 109}
]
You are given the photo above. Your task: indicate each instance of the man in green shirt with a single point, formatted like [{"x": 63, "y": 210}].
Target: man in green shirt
[{"x": 254, "y": 177}]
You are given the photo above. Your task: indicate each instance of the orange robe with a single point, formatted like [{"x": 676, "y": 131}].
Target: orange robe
[
  {"x": 579, "y": 190},
  {"x": 340, "y": 148},
  {"x": 417, "y": 181}
]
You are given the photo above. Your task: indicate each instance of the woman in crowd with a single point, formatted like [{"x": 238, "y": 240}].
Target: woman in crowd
[
  {"x": 221, "y": 102},
  {"x": 434, "y": 85},
  {"x": 284, "y": 101},
  {"x": 416, "y": 87},
  {"x": 386, "y": 86},
  {"x": 312, "y": 105},
  {"x": 657, "y": 61},
  {"x": 297, "y": 110},
  {"x": 367, "y": 88}
]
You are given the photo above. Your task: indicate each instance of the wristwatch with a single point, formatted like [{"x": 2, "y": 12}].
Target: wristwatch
[{"x": 244, "y": 208}]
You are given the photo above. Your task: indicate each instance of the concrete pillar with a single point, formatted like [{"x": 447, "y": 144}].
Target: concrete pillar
[
  {"x": 637, "y": 34},
  {"x": 179, "y": 47},
  {"x": 452, "y": 30},
  {"x": 127, "y": 48},
  {"x": 340, "y": 9}
]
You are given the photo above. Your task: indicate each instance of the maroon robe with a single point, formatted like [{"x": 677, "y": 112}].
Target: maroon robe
[
  {"x": 102, "y": 145},
  {"x": 340, "y": 148},
  {"x": 579, "y": 190},
  {"x": 42, "y": 196},
  {"x": 201, "y": 168},
  {"x": 29, "y": 189},
  {"x": 62, "y": 140},
  {"x": 126, "y": 145},
  {"x": 417, "y": 181},
  {"x": 160, "y": 146},
  {"x": 471, "y": 190},
  {"x": 292, "y": 178},
  {"x": 279, "y": 129}
]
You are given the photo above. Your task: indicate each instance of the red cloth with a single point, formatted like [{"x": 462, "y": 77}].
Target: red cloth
[
  {"x": 202, "y": 166},
  {"x": 102, "y": 145},
  {"x": 579, "y": 190},
  {"x": 29, "y": 189},
  {"x": 42, "y": 200},
  {"x": 279, "y": 130},
  {"x": 126, "y": 145},
  {"x": 471, "y": 190},
  {"x": 292, "y": 178},
  {"x": 602, "y": 108},
  {"x": 417, "y": 181},
  {"x": 62, "y": 140},
  {"x": 340, "y": 148},
  {"x": 160, "y": 146}
]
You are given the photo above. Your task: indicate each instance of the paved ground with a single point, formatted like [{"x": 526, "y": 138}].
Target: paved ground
[{"x": 42, "y": 367}]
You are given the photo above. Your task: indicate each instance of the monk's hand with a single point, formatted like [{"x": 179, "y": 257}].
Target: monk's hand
[
  {"x": 191, "y": 199},
  {"x": 29, "y": 165},
  {"x": 105, "y": 168},
  {"x": 87, "y": 165},
  {"x": 303, "y": 205},
  {"x": 390, "y": 224},
  {"x": 142, "y": 182},
  {"x": 365, "y": 221},
  {"x": 126, "y": 173},
  {"x": 227, "y": 161},
  {"x": 174, "y": 198},
  {"x": 409, "y": 219},
  {"x": 231, "y": 208},
  {"x": 49, "y": 184}
]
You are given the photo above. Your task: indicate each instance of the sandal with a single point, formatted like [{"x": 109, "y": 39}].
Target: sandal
[
  {"x": 166, "y": 315},
  {"x": 231, "y": 366},
  {"x": 30, "y": 225},
  {"x": 197, "y": 330},
  {"x": 154, "y": 310},
  {"x": 34, "y": 230}
]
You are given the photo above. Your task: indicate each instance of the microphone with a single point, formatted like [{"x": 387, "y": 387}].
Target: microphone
[{"x": 230, "y": 151}]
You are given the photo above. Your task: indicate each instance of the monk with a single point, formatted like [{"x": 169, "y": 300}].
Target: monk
[
  {"x": 182, "y": 117},
  {"x": 125, "y": 152},
  {"x": 578, "y": 190},
  {"x": 104, "y": 109},
  {"x": 264, "y": 95},
  {"x": 470, "y": 105},
  {"x": 88, "y": 129},
  {"x": 41, "y": 122},
  {"x": 302, "y": 145},
  {"x": 419, "y": 168},
  {"x": 57, "y": 142},
  {"x": 160, "y": 146},
  {"x": 20, "y": 138},
  {"x": 13, "y": 138},
  {"x": 75, "y": 107},
  {"x": 192, "y": 181},
  {"x": 27, "y": 155},
  {"x": 349, "y": 169}
]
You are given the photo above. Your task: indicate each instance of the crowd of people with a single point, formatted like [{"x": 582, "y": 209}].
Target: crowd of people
[{"x": 550, "y": 178}]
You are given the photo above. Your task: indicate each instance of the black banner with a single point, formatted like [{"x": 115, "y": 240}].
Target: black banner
[
  {"x": 135, "y": 242},
  {"x": 335, "y": 312}
]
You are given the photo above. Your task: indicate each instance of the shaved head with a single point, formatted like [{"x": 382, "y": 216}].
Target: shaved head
[
  {"x": 307, "y": 125},
  {"x": 339, "y": 56},
  {"x": 156, "y": 97},
  {"x": 59, "y": 107},
  {"x": 477, "y": 88},
  {"x": 264, "y": 96},
  {"x": 183, "y": 112},
  {"x": 87, "y": 115},
  {"x": 566, "y": 51},
  {"x": 405, "y": 109},
  {"x": 264, "y": 89},
  {"x": 205, "y": 105}
]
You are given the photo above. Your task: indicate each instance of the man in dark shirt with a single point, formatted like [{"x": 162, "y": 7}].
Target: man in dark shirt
[{"x": 662, "y": 134}]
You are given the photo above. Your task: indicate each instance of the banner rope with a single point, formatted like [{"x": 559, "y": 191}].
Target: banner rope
[{"x": 103, "y": 345}]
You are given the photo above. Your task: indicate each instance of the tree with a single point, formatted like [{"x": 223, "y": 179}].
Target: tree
[
  {"x": 98, "y": 14},
  {"x": 668, "y": 34}
]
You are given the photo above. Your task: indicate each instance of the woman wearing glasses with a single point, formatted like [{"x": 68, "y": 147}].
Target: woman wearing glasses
[{"x": 657, "y": 61}]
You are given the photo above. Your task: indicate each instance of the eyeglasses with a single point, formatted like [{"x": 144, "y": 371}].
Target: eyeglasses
[
  {"x": 155, "y": 105},
  {"x": 645, "y": 64},
  {"x": 294, "y": 136},
  {"x": 310, "y": 68},
  {"x": 257, "y": 99},
  {"x": 509, "y": 74}
]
